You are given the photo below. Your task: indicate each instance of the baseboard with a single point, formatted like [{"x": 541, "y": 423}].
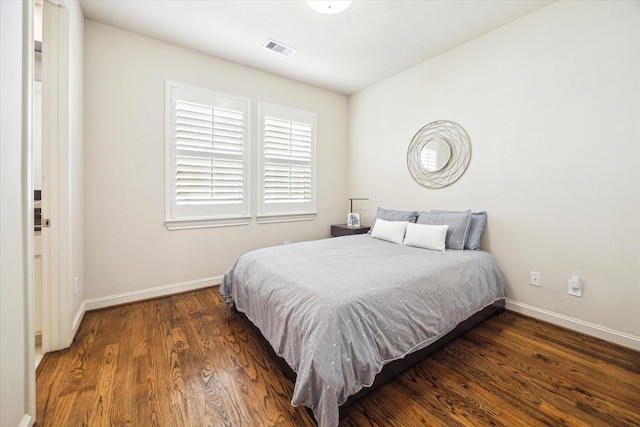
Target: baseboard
[
  {"x": 598, "y": 331},
  {"x": 144, "y": 294},
  {"x": 26, "y": 421},
  {"x": 78, "y": 317}
]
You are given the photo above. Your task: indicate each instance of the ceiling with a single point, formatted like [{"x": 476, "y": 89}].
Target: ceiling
[{"x": 347, "y": 52}]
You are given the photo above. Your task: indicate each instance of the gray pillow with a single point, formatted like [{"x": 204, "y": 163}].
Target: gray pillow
[
  {"x": 458, "y": 223},
  {"x": 394, "y": 215},
  {"x": 478, "y": 223}
]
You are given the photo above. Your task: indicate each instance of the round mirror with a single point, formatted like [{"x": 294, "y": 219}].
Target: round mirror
[
  {"x": 438, "y": 154},
  {"x": 435, "y": 155}
]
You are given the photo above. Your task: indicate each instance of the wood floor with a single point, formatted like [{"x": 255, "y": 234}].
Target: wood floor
[{"x": 186, "y": 360}]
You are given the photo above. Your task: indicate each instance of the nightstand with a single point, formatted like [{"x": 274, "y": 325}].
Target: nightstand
[{"x": 345, "y": 230}]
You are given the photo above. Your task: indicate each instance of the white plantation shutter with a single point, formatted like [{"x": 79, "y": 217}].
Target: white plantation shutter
[
  {"x": 287, "y": 162},
  {"x": 287, "y": 152},
  {"x": 209, "y": 155},
  {"x": 207, "y": 138}
]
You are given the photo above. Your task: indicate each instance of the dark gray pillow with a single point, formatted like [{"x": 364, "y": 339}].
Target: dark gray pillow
[
  {"x": 458, "y": 223},
  {"x": 395, "y": 215},
  {"x": 478, "y": 223}
]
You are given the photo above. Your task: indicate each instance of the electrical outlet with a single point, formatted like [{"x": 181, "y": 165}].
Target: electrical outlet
[
  {"x": 575, "y": 286},
  {"x": 535, "y": 279}
]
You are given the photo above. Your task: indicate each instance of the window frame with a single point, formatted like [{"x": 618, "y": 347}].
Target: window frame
[
  {"x": 293, "y": 211},
  {"x": 215, "y": 215}
]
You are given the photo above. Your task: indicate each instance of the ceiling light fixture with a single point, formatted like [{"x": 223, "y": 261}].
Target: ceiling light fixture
[{"x": 329, "y": 7}]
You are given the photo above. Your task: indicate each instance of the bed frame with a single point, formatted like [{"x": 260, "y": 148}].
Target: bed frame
[{"x": 391, "y": 369}]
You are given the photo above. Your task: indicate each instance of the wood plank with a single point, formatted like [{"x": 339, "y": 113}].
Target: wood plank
[
  {"x": 559, "y": 361},
  {"x": 186, "y": 360}
]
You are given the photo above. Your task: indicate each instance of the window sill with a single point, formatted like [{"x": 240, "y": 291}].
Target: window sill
[
  {"x": 185, "y": 224},
  {"x": 268, "y": 219}
]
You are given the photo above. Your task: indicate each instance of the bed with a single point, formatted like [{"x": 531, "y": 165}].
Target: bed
[{"x": 339, "y": 310}]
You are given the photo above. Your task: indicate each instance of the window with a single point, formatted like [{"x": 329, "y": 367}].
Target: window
[
  {"x": 287, "y": 164},
  {"x": 207, "y": 158}
]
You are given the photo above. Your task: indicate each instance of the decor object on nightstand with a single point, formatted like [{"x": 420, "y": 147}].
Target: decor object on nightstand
[
  {"x": 353, "y": 219},
  {"x": 439, "y": 154}
]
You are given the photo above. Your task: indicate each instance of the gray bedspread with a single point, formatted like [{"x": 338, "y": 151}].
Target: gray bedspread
[{"x": 338, "y": 309}]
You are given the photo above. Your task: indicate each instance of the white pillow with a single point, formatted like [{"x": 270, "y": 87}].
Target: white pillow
[
  {"x": 426, "y": 236},
  {"x": 391, "y": 231}
]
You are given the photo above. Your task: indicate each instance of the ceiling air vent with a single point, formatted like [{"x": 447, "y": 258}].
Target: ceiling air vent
[{"x": 279, "y": 48}]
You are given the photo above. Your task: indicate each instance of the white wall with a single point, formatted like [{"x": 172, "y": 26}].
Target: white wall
[
  {"x": 551, "y": 103},
  {"x": 17, "y": 377},
  {"x": 128, "y": 249}
]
